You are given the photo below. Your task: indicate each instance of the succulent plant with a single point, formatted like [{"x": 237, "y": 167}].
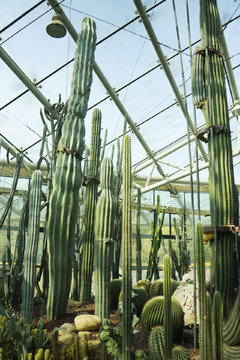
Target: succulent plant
[
  {"x": 167, "y": 317},
  {"x": 153, "y": 313},
  {"x": 104, "y": 240},
  {"x": 90, "y": 207},
  {"x": 64, "y": 200},
  {"x": 30, "y": 258},
  {"x": 115, "y": 288},
  {"x": 209, "y": 94},
  {"x": 127, "y": 338}
]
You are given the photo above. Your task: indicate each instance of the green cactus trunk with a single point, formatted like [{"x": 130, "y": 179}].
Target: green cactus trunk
[
  {"x": 224, "y": 177},
  {"x": 90, "y": 205},
  {"x": 103, "y": 241},
  {"x": 167, "y": 319},
  {"x": 30, "y": 258},
  {"x": 218, "y": 329},
  {"x": 138, "y": 238},
  {"x": 63, "y": 206},
  {"x": 127, "y": 340},
  {"x": 203, "y": 313}
]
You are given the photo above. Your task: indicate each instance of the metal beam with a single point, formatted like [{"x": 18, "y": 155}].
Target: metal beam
[
  {"x": 27, "y": 82},
  {"x": 163, "y": 61}
]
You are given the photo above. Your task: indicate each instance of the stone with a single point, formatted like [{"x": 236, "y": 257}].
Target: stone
[
  {"x": 67, "y": 339},
  {"x": 68, "y": 329},
  {"x": 87, "y": 322},
  {"x": 184, "y": 294},
  {"x": 72, "y": 303},
  {"x": 81, "y": 334}
]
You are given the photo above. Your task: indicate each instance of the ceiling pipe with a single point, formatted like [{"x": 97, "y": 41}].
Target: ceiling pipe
[
  {"x": 57, "y": 8},
  {"x": 33, "y": 166},
  {"x": 166, "y": 68},
  {"x": 27, "y": 82},
  {"x": 147, "y": 163}
]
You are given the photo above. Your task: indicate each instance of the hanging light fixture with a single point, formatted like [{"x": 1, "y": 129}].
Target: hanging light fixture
[{"x": 56, "y": 27}]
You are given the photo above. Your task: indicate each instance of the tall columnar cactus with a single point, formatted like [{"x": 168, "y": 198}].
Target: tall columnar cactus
[
  {"x": 127, "y": 340},
  {"x": 167, "y": 319},
  {"x": 90, "y": 205},
  {"x": 218, "y": 330},
  {"x": 156, "y": 242},
  {"x": 138, "y": 238},
  {"x": 202, "y": 301},
  {"x": 209, "y": 94},
  {"x": 30, "y": 258},
  {"x": 103, "y": 240},
  {"x": 63, "y": 205}
]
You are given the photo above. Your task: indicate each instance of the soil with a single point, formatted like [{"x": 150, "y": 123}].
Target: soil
[{"x": 140, "y": 340}]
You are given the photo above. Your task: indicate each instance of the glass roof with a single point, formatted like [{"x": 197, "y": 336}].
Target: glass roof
[{"x": 128, "y": 60}]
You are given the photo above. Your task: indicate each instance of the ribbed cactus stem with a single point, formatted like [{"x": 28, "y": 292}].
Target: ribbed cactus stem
[
  {"x": 126, "y": 252},
  {"x": 208, "y": 74},
  {"x": 218, "y": 330},
  {"x": 167, "y": 319},
  {"x": 90, "y": 205},
  {"x": 202, "y": 301},
  {"x": 103, "y": 240},
  {"x": 138, "y": 238},
  {"x": 64, "y": 200},
  {"x": 30, "y": 259}
]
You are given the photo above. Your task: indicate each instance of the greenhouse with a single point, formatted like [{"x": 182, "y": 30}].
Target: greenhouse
[{"x": 119, "y": 179}]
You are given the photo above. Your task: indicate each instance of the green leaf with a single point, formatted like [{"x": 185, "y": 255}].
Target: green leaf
[
  {"x": 41, "y": 322},
  {"x": 2, "y": 312},
  {"x": 28, "y": 331},
  {"x": 17, "y": 335},
  {"x": 29, "y": 342},
  {"x": 10, "y": 326}
]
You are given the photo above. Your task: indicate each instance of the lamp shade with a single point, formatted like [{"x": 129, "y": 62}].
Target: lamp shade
[{"x": 56, "y": 28}]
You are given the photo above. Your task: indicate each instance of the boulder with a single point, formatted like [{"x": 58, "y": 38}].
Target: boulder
[
  {"x": 72, "y": 303},
  {"x": 67, "y": 339},
  {"x": 68, "y": 329},
  {"x": 184, "y": 294},
  {"x": 87, "y": 322}
]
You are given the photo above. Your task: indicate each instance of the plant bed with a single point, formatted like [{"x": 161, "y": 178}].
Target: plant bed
[{"x": 140, "y": 340}]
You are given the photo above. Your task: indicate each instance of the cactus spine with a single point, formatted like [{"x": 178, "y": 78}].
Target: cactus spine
[
  {"x": 90, "y": 205},
  {"x": 215, "y": 91},
  {"x": 103, "y": 240},
  {"x": 138, "y": 238},
  {"x": 167, "y": 319},
  {"x": 30, "y": 259},
  {"x": 63, "y": 205},
  {"x": 126, "y": 252}
]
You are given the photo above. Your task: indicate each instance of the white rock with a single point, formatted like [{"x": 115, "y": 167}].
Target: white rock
[
  {"x": 184, "y": 294},
  {"x": 68, "y": 328},
  {"x": 87, "y": 322}
]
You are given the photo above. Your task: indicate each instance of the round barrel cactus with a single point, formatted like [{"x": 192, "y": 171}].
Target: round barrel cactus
[
  {"x": 153, "y": 312},
  {"x": 145, "y": 284},
  {"x": 115, "y": 289},
  {"x": 156, "y": 288}
]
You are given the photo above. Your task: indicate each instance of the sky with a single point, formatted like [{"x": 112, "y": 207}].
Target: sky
[{"x": 122, "y": 58}]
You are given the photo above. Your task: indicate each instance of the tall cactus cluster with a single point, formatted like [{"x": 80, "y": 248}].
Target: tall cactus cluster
[
  {"x": 63, "y": 205},
  {"x": 90, "y": 205},
  {"x": 209, "y": 94},
  {"x": 103, "y": 241}
]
